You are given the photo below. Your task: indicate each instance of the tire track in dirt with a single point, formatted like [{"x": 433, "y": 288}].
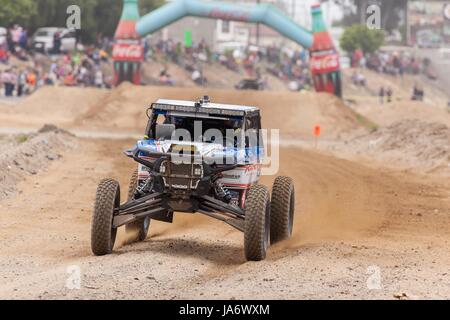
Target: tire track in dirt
[{"x": 339, "y": 202}]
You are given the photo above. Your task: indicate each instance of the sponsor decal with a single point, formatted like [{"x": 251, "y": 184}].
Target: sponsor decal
[
  {"x": 236, "y": 185},
  {"x": 231, "y": 176},
  {"x": 250, "y": 168},
  {"x": 184, "y": 148},
  {"x": 218, "y": 13},
  {"x": 128, "y": 52},
  {"x": 326, "y": 63}
]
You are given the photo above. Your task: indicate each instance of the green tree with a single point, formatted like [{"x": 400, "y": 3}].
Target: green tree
[
  {"x": 107, "y": 14},
  {"x": 17, "y": 11},
  {"x": 392, "y": 17},
  {"x": 145, "y": 6},
  {"x": 360, "y": 37},
  {"x": 97, "y": 16}
]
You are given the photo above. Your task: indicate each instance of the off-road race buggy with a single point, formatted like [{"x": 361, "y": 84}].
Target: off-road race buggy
[
  {"x": 198, "y": 157},
  {"x": 251, "y": 84}
]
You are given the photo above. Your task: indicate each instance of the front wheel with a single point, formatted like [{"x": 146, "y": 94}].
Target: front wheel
[
  {"x": 257, "y": 223},
  {"x": 282, "y": 209},
  {"x": 103, "y": 234}
]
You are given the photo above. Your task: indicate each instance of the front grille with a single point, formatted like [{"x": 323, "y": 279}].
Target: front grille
[
  {"x": 185, "y": 176},
  {"x": 181, "y": 169}
]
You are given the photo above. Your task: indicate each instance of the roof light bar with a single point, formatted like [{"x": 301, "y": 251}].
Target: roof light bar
[{"x": 216, "y": 111}]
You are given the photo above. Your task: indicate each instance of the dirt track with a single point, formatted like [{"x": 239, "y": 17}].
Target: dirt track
[{"x": 351, "y": 219}]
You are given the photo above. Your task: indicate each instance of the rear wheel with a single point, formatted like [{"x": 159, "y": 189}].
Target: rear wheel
[
  {"x": 103, "y": 234},
  {"x": 137, "y": 230},
  {"x": 282, "y": 209},
  {"x": 257, "y": 223}
]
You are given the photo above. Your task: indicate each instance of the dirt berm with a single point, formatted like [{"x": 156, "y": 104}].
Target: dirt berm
[
  {"x": 295, "y": 114},
  {"x": 410, "y": 144},
  {"x": 123, "y": 109},
  {"x": 24, "y": 155}
]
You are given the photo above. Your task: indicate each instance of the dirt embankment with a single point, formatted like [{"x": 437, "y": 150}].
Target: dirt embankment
[
  {"x": 123, "y": 109},
  {"x": 25, "y": 155},
  {"x": 388, "y": 114},
  {"x": 293, "y": 113},
  {"x": 151, "y": 70},
  {"x": 402, "y": 88},
  {"x": 218, "y": 76},
  {"x": 413, "y": 144},
  {"x": 366, "y": 102},
  {"x": 57, "y": 105}
]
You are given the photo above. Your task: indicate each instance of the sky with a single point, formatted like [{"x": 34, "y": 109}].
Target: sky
[{"x": 303, "y": 14}]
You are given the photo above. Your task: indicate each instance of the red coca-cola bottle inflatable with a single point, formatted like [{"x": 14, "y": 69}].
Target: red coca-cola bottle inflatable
[
  {"x": 128, "y": 52},
  {"x": 324, "y": 58}
]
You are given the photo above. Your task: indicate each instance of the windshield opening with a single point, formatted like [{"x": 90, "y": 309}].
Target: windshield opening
[{"x": 199, "y": 127}]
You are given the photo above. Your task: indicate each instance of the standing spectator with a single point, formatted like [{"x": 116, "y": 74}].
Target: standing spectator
[
  {"x": 363, "y": 62},
  {"x": 57, "y": 42},
  {"x": 96, "y": 57},
  {"x": 389, "y": 94},
  {"x": 418, "y": 93},
  {"x": 66, "y": 59},
  {"x": 381, "y": 93},
  {"x": 9, "y": 41},
  {"x": 13, "y": 82},
  {"x": 31, "y": 81},
  {"x": 16, "y": 33},
  {"x": 6, "y": 81},
  {"x": 104, "y": 56},
  {"x": 99, "y": 78},
  {"x": 356, "y": 57},
  {"x": 146, "y": 48},
  {"x": 23, "y": 40},
  {"x": 4, "y": 54},
  {"x": 83, "y": 76},
  {"x": 21, "y": 82},
  {"x": 76, "y": 59}
]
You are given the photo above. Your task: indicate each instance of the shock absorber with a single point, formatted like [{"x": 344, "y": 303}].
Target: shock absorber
[
  {"x": 222, "y": 193},
  {"x": 144, "y": 188}
]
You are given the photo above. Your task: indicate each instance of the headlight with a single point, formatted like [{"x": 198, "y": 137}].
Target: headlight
[
  {"x": 162, "y": 167},
  {"x": 198, "y": 171}
]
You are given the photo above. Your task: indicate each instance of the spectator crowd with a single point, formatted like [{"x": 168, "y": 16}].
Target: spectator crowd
[
  {"x": 290, "y": 66},
  {"x": 393, "y": 63},
  {"x": 23, "y": 70}
]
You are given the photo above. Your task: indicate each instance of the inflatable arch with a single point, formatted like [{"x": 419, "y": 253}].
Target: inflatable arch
[{"x": 128, "y": 53}]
